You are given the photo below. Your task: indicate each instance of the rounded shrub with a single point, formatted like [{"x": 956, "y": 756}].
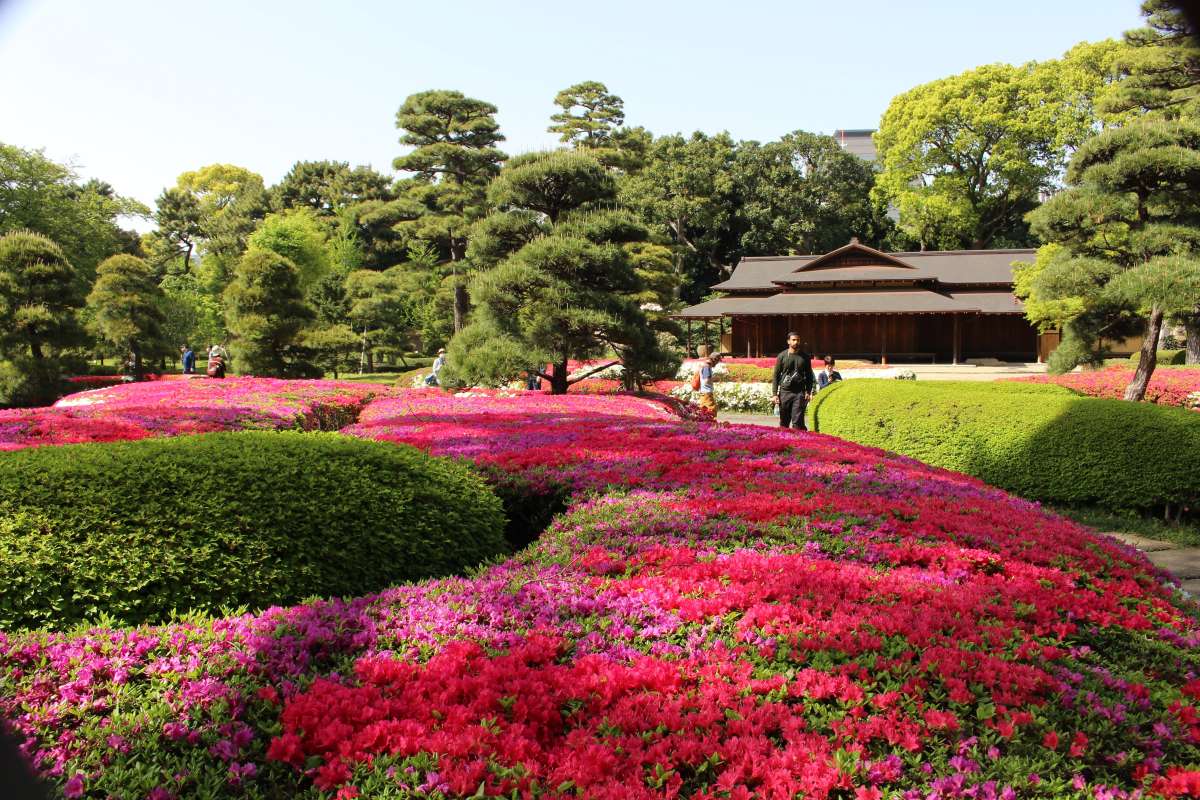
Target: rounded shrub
[
  {"x": 1038, "y": 440},
  {"x": 1164, "y": 358},
  {"x": 136, "y": 530}
]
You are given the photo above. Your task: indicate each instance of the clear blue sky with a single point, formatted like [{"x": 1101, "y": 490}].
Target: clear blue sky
[{"x": 138, "y": 91}]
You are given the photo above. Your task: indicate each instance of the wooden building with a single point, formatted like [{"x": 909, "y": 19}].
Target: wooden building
[{"x": 858, "y": 302}]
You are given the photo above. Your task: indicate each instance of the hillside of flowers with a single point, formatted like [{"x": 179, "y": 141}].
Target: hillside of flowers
[
  {"x": 1168, "y": 386},
  {"x": 721, "y": 612},
  {"x": 171, "y": 408}
]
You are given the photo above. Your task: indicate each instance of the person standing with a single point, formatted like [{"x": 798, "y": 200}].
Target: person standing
[
  {"x": 829, "y": 375},
  {"x": 792, "y": 384},
  {"x": 708, "y": 398},
  {"x": 189, "y": 360}
]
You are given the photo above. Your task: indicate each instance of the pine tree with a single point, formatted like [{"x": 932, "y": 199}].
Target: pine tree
[
  {"x": 39, "y": 295},
  {"x": 265, "y": 312},
  {"x": 564, "y": 283},
  {"x": 453, "y": 159},
  {"x": 1129, "y": 226},
  {"x": 127, "y": 308}
]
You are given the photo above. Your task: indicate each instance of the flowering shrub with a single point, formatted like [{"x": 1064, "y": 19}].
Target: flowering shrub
[
  {"x": 748, "y": 398},
  {"x": 169, "y": 408},
  {"x": 723, "y": 611},
  {"x": 1168, "y": 387}
]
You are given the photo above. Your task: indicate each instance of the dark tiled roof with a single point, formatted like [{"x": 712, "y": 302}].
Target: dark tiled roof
[
  {"x": 858, "y": 302},
  {"x": 951, "y": 267}
]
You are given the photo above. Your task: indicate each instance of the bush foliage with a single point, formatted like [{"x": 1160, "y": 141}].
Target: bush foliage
[
  {"x": 1164, "y": 358},
  {"x": 1037, "y": 440},
  {"x": 135, "y": 530}
]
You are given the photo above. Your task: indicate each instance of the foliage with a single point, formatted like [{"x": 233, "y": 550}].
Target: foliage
[
  {"x": 736, "y": 396},
  {"x": 227, "y": 203},
  {"x": 298, "y": 237},
  {"x": 1129, "y": 226},
  {"x": 1160, "y": 67},
  {"x": 1170, "y": 387},
  {"x": 454, "y": 157},
  {"x": 227, "y": 520},
  {"x": 1039, "y": 441},
  {"x": 191, "y": 315},
  {"x": 265, "y": 312},
  {"x": 965, "y": 157},
  {"x": 39, "y": 295},
  {"x": 129, "y": 411},
  {"x": 331, "y": 346},
  {"x": 953, "y": 637},
  {"x": 599, "y": 114},
  {"x": 1164, "y": 358},
  {"x": 551, "y": 184},
  {"x": 327, "y": 187},
  {"x": 83, "y": 218},
  {"x": 127, "y": 306}
]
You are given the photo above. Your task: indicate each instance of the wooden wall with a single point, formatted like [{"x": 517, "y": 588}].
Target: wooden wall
[{"x": 923, "y": 337}]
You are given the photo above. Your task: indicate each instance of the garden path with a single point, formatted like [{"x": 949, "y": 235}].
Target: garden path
[{"x": 1182, "y": 562}]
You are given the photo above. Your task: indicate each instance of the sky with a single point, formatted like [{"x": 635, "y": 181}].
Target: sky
[{"x": 136, "y": 92}]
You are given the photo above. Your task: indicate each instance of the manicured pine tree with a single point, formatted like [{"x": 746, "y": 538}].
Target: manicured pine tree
[
  {"x": 128, "y": 308},
  {"x": 563, "y": 285},
  {"x": 1129, "y": 226},
  {"x": 39, "y": 295},
  {"x": 453, "y": 159},
  {"x": 265, "y": 313}
]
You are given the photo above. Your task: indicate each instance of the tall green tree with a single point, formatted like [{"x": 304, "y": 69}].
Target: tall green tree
[
  {"x": 378, "y": 311},
  {"x": 1160, "y": 67},
  {"x": 39, "y": 295},
  {"x": 1129, "y": 227},
  {"x": 325, "y": 187},
  {"x": 127, "y": 309},
  {"x": 589, "y": 115},
  {"x": 1161, "y": 79},
  {"x": 229, "y": 202},
  {"x": 83, "y": 217},
  {"x": 567, "y": 287},
  {"x": 177, "y": 217},
  {"x": 981, "y": 147},
  {"x": 688, "y": 187},
  {"x": 265, "y": 312},
  {"x": 805, "y": 194},
  {"x": 453, "y": 159},
  {"x": 300, "y": 238}
]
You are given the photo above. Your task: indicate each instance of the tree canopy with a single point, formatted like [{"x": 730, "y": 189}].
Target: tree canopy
[
  {"x": 265, "y": 312},
  {"x": 127, "y": 308},
  {"x": 1129, "y": 230},
  {"x": 964, "y": 158}
]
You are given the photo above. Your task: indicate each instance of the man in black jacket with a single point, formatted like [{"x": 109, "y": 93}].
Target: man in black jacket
[{"x": 792, "y": 384}]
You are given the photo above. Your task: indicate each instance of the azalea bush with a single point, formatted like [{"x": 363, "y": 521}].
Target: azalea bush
[
  {"x": 1168, "y": 387},
  {"x": 226, "y": 520},
  {"x": 174, "y": 407},
  {"x": 720, "y": 611},
  {"x": 1039, "y": 440},
  {"x": 745, "y": 398}
]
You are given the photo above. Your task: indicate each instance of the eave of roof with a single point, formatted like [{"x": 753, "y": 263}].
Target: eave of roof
[{"x": 861, "y": 302}]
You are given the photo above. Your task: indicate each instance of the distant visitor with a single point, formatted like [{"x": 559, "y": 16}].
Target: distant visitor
[
  {"x": 828, "y": 375},
  {"x": 792, "y": 383}
]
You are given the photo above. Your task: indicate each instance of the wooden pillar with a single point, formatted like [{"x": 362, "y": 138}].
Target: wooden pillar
[
  {"x": 955, "y": 339},
  {"x": 688, "y": 342},
  {"x": 883, "y": 346},
  {"x": 706, "y": 333}
]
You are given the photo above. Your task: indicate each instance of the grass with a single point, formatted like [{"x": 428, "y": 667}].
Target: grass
[
  {"x": 1186, "y": 534},
  {"x": 366, "y": 377}
]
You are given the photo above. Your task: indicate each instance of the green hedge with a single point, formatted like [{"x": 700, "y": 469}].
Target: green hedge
[
  {"x": 135, "y": 530},
  {"x": 1039, "y": 441},
  {"x": 1165, "y": 358}
]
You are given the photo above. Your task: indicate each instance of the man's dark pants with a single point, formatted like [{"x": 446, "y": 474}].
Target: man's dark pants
[{"x": 791, "y": 410}]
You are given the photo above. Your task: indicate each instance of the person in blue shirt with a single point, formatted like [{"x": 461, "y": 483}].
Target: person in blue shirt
[
  {"x": 432, "y": 378},
  {"x": 828, "y": 375},
  {"x": 189, "y": 360},
  {"x": 708, "y": 399}
]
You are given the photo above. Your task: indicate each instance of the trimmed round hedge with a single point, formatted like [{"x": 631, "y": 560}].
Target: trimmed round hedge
[
  {"x": 1040, "y": 441},
  {"x": 137, "y": 530}
]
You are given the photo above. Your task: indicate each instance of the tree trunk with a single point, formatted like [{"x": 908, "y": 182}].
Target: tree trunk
[
  {"x": 362, "y": 356},
  {"x": 558, "y": 378},
  {"x": 1192, "y": 326},
  {"x": 35, "y": 350},
  {"x": 1136, "y": 390},
  {"x": 187, "y": 259},
  {"x": 136, "y": 361},
  {"x": 462, "y": 303}
]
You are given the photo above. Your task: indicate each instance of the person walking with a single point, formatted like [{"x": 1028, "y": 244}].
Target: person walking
[
  {"x": 792, "y": 384},
  {"x": 829, "y": 375},
  {"x": 708, "y": 398},
  {"x": 189, "y": 360}
]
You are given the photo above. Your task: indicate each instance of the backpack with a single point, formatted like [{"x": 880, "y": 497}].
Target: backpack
[{"x": 696, "y": 381}]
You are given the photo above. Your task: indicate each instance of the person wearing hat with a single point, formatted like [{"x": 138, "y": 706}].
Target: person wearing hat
[{"x": 438, "y": 363}]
